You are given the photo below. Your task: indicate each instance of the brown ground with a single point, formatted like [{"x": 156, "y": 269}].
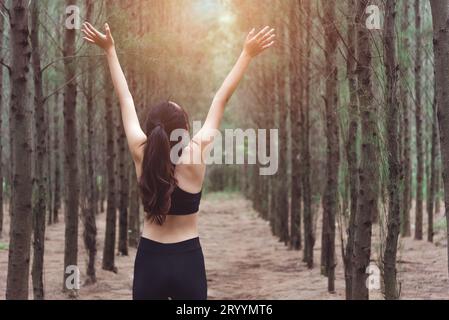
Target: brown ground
[{"x": 244, "y": 261}]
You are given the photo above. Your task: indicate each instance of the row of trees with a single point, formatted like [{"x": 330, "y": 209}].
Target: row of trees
[
  {"x": 360, "y": 114},
  {"x": 62, "y": 144},
  {"x": 359, "y": 117}
]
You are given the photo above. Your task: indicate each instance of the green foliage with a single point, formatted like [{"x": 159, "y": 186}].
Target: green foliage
[
  {"x": 440, "y": 225},
  {"x": 221, "y": 196},
  {"x": 4, "y": 246}
]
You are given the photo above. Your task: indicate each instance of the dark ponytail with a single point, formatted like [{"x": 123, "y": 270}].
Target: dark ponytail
[{"x": 158, "y": 181}]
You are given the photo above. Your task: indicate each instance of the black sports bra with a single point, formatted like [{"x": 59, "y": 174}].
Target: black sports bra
[{"x": 184, "y": 203}]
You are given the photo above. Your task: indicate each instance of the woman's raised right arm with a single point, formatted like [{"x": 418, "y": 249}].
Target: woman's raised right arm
[{"x": 134, "y": 133}]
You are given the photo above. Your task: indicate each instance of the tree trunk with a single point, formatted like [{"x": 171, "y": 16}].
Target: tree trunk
[
  {"x": 394, "y": 181},
  {"x": 71, "y": 153},
  {"x": 282, "y": 191},
  {"x": 352, "y": 146},
  {"x": 123, "y": 166},
  {"x": 20, "y": 129},
  {"x": 90, "y": 227},
  {"x": 296, "y": 92},
  {"x": 40, "y": 205},
  {"x": 124, "y": 192},
  {"x": 103, "y": 192},
  {"x": 438, "y": 173},
  {"x": 405, "y": 102},
  {"x": 1, "y": 126},
  {"x": 419, "y": 126},
  {"x": 309, "y": 236},
  {"x": 368, "y": 193},
  {"x": 50, "y": 109},
  {"x": 57, "y": 163},
  {"x": 265, "y": 122},
  {"x": 330, "y": 200},
  {"x": 134, "y": 200},
  {"x": 134, "y": 212},
  {"x": 433, "y": 170},
  {"x": 440, "y": 13},
  {"x": 111, "y": 210}
]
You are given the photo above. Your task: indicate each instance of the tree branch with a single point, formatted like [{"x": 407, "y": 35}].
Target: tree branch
[
  {"x": 5, "y": 65},
  {"x": 68, "y": 57},
  {"x": 2, "y": 4}
]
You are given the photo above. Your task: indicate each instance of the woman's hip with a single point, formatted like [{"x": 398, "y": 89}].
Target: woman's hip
[{"x": 174, "y": 270}]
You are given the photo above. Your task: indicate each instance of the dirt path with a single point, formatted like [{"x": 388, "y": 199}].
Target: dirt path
[{"x": 244, "y": 261}]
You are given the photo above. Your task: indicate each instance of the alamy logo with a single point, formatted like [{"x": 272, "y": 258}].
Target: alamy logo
[
  {"x": 373, "y": 20},
  {"x": 72, "y": 282},
  {"x": 73, "y": 17},
  {"x": 373, "y": 280},
  {"x": 236, "y": 147}
]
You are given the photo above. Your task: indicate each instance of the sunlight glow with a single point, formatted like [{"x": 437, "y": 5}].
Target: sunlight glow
[
  {"x": 213, "y": 9},
  {"x": 226, "y": 17}
]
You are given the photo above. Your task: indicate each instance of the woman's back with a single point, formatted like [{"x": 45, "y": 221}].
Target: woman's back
[{"x": 177, "y": 228}]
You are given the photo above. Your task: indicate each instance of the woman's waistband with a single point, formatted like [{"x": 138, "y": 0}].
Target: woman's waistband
[{"x": 168, "y": 248}]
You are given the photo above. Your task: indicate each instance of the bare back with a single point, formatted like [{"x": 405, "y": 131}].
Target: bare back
[{"x": 190, "y": 178}]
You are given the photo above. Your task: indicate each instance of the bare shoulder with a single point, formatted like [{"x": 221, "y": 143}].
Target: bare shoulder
[{"x": 190, "y": 174}]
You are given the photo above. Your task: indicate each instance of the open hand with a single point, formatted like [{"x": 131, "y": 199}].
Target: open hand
[
  {"x": 257, "y": 43},
  {"x": 92, "y": 35}
]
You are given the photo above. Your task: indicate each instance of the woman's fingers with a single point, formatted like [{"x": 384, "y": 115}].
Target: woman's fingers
[
  {"x": 268, "y": 45},
  {"x": 88, "y": 33},
  {"x": 260, "y": 41},
  {"x": 108, "y": 30},
  {"x": 251, "y": 34},
  {"x": 92, "y": 29},
  {"x": 267, "y": 35},
  {"x": 268, "y": 40},
  {"x": 89, "y": 40},
  {"x": 88, "y": 27},
  {"x": 262, "y": 33}
]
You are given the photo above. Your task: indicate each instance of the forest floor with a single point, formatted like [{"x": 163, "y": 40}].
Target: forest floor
[{"x": 244, "y": 261}]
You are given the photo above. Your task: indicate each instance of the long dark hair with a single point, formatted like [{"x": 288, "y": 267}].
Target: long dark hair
[{"x": 158, "y": 181}]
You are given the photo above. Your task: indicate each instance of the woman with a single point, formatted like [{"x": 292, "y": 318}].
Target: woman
[{"x": 169, "y": 262}]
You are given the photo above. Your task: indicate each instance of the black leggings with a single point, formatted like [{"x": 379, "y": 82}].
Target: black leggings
[{"x": 169, "y": 271}]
